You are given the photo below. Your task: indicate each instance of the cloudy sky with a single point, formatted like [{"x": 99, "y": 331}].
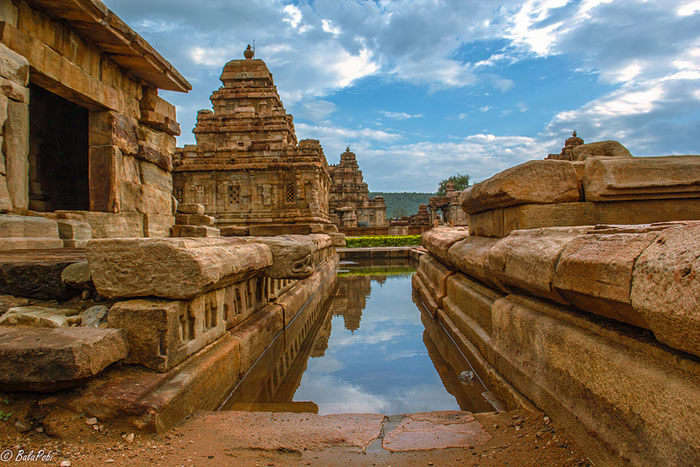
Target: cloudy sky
[{"x": 423, "y": 89}]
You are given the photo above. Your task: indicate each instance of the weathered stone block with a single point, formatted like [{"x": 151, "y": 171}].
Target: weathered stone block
[
  {"x": 666, "y": 287},
  {"x": 556, "y": 183},
  {"x": 108, "y": 225},
  {"x": 105, "y": 165},
  {"x": 642, "y": 178},
  {"x": 434, "y": 276},
  {"x": 13, "y": 66},
  {"x": 527, "y": 259},
  {"x": 94, "y": 317},
  {"x": 77, "y": 275},
  {"x": 594, "y": 273},
  {"x": 163, "y": 333},
  {"x": 52, "y": 359},
  {"x": 294, "y": 256},
  {"x": 500, "y": 222},
  {"x": 256, "y": 334},
  {"x": 154, "y": 175},
  {"x": 28, "y": 226},
  {"x": 145, "y": 198},
  {"x": 40, "y": 317},
  {"x": 466, "y": 297},
  {"x": 194, "y": 219},
  {"x": 600, "y": 149},
  {"x": 70, "y": 229},
  {"x": 470, "y": 256},
  {"x": 439, "y": 240},
  {"x": 190, "y": 208},
  {"x": 179, "y": 268},
  {"x": 194, "y": 231}
]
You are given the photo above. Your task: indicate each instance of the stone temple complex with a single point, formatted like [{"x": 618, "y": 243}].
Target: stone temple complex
[
  {"x": 350, "y": 204},
  {"x": 247, "y": 168}
]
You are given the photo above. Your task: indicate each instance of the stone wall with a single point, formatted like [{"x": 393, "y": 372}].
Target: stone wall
[{"x": 130, "y": 130}]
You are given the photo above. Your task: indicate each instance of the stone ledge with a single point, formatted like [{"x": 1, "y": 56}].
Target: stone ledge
[{"x": 52, "y": 359}]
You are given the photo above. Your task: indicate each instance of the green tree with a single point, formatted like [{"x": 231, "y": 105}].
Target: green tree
[{"x": 460, "y": 182}]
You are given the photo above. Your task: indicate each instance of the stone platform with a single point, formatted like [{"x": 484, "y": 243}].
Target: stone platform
[{"x": 37, "y": 273}]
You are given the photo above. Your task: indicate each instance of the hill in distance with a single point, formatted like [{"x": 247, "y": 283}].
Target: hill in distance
[{"x": 402, "y": 204}]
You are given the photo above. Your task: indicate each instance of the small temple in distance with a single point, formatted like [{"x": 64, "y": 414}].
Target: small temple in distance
[
  {"x": 247, "y": 168},
  {"x": 350, "y": 205}
]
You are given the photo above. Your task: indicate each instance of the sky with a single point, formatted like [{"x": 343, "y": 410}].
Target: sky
[{"x": 425, "y": 89}]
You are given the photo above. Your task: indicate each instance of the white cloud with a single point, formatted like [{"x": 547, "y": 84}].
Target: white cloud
[
  {"x": 328, "y": 26},
  {"x": 400, "y": 115},
  {"x": 484, "y": 108},
  {"x": 688, "y": 8},
  {"x": 293, "y": 17}
]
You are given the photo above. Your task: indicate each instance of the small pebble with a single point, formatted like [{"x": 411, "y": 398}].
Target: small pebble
[{"x": 91, "y": 421}]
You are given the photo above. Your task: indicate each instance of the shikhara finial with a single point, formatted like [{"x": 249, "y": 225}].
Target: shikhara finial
[{"x": 249, "y": 53}]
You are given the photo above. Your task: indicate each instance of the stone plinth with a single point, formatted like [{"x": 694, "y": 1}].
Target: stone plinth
[{"x": 171, "y": 268}]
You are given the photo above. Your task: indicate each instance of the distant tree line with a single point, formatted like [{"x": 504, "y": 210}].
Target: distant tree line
[{"x": 402, "y": 204}]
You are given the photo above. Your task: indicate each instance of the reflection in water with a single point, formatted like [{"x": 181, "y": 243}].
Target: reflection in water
[{"x": 368, "y": 352}]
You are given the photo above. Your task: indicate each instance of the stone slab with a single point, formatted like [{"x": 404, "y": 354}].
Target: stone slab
[
  {"x": 175, "y": 268},
  {"x": 52, "y": 359},
  {"x": 545, "y": 181},
  {"x": 436, "y": 430},
  {"x": 157, "y": 225},
  {"x": 194, "y": 219},
  {"x": 440, "y": 239},
  {"x": 199, "y": 231},
  {"x": 36, "y": 274},
  {"x": 527, "y": 259},
  {"x": 70, "y": 229},
  {"x": 470, "y": 256},
  {"x": 642, "y": 178},
  {"x": 500, "y": 222},
  {"x": 255, "y": 334},
  {"x": 107, "y": 224},
  {"x": 293, "y": 256},
  {"x": 12, "y": 226},
  {"x": 471, "y": 298},
  {"x": 666, "y": 287},
  {"x": 191, "y": 208},
  {"x": 594, "y": 273}
]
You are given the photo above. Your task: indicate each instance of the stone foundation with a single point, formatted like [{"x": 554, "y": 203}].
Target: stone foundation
[{"x": 596, "y": 325}]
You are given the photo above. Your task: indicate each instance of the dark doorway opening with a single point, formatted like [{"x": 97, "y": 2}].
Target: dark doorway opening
[{"x": 58, "y": 153}]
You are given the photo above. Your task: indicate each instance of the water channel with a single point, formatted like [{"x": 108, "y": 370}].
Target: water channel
[{"x": 371, "y": 350}]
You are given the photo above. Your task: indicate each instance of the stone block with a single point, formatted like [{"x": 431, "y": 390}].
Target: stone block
[
  {"x": 154, "y": 175},
  {"x": 145, "y": 198},
  {"x": 642, "y": 178},
  {"x": 527, "y": 259},
  {"x": 338, "y": 239},
  {"x": 10, "y": 301},
  {"x": 637, "y": 396},
  {"x": 600, "y": 149},
  {"x": 108, "y": 225},
  {"x": 194, "y": 231},
  {"x": 14, "y": 91},
  {"x": 440, "y": 239},
  {"x": 666, "y": 287},
  {"x": 37, "y": 243},
  {"x": 470, "y": 256},
  {"x": 245, "y": 298},
  {"x": 94, "y": 317},
  {"x": 546, "y": 181},
  {"x": 28, "y": 226},
  {"x": 105, "y": 165},
  {"x": 594, "y": 273},
  {"x": 176, "y": 268},
  {"x": 425, "y": 294},
  {"x": 16, "y": 150},
  {"x": 190, "y": 208},
  {"x": 469, "y": 298},
  {"x": 194, "y": 219},
  {"x": 77, "y": 276},
  {"x": 71, "y": 229},
  {"x": 52, "y": 359},
  {"x": 294, "y": 256},
  {"x": 13, "y": 66},
  {"x": 500, "y": 222},
  {"x": 130, "y": 170},
  {"x": 163, "y": 333},
  {"x": 40, "y": 317},
  {"x": 434, "y": 276},
  {"x": 647, "y": 211},
  {"x": 157, "y": 225},
  {"x": 36, "y": 274}
]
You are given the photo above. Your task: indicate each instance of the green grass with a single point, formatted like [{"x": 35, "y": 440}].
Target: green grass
[{"x": 382, "y": 240}]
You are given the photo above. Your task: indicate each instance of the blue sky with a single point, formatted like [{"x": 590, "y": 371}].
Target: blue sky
[{"x": 423, "y": 89}]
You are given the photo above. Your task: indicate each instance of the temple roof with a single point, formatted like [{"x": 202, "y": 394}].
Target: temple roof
[{"x": 102, "y": 27}]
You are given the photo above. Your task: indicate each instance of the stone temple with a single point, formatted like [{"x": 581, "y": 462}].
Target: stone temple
[
  {"x": 350, "y": 204},
  {"x": 247, "y": 168}
]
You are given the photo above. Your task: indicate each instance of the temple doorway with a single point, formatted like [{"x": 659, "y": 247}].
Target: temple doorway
[{"x": 58, "y": 153}]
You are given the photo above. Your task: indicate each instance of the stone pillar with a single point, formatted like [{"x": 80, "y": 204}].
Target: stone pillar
[{"x": 14, "y": 169}]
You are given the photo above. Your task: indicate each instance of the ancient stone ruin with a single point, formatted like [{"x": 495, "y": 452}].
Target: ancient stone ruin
[
  {"x": 447, "y": 209},
  {"x": 350, "y": 205},
  {"x": 247, "y": 168},
  {"x": 576, "y": 284}
]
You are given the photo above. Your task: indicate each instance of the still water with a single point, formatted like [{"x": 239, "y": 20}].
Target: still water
[{"x": 371, "y": 350}]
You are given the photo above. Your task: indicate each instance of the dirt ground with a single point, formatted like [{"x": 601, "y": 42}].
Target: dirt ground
[{"x": 517, "y": 438}]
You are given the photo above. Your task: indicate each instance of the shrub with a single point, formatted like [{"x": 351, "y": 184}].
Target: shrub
[{"x": 382, "y": 240}]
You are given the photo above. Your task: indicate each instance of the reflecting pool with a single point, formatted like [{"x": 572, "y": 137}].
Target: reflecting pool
[{"x": 372, "y": 350}]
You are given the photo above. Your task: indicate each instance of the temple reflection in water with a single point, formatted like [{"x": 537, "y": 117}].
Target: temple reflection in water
[{"x": 368, "y": 351}]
